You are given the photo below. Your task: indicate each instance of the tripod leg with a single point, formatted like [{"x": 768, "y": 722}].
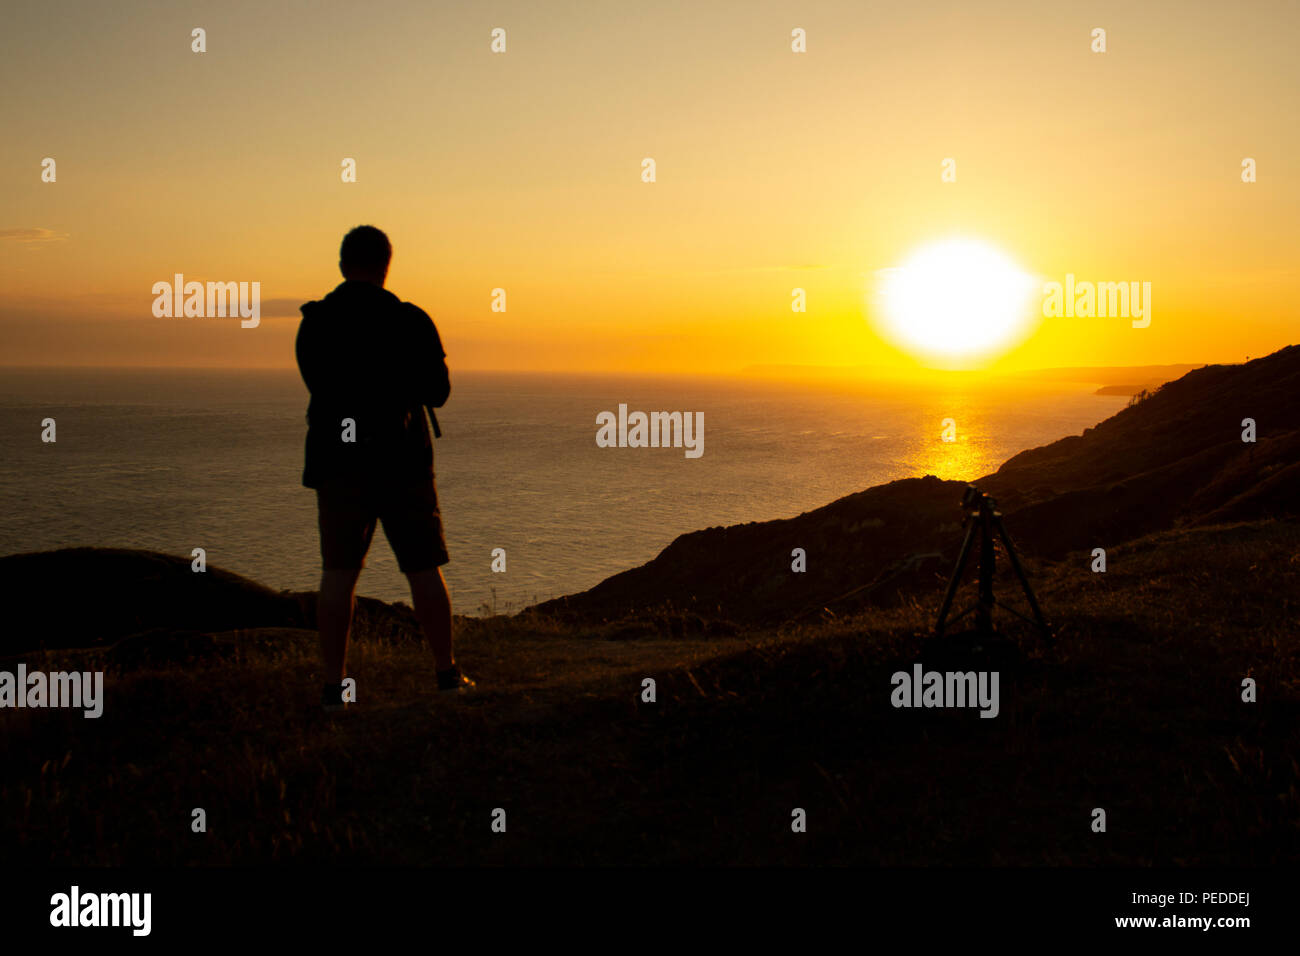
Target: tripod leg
[
  {"x": 984, "y": 609},
  {"x": 1024, "y": 580},
  {"x": 955, "y": 580}
]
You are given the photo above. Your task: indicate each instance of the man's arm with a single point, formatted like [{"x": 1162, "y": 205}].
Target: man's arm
[
  {"x": 429, "y": 375},
  {"x": 305, "y": 353}
]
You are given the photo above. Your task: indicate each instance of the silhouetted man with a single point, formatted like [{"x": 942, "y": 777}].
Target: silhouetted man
[{"x": 373, "y": 363}]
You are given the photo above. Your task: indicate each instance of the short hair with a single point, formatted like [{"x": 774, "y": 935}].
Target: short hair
[{"x": 366, "y": 247}]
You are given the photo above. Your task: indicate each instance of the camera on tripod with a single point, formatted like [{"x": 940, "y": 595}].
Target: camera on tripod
[{"x": 983, "y": 519}]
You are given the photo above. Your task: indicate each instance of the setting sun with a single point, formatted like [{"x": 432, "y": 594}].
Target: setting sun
[{"x": 956, "y": 301}]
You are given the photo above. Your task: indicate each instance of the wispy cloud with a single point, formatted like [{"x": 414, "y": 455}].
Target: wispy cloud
[
  {"x": 33, "y": 235},
  {"x": 283, "y": 308}
]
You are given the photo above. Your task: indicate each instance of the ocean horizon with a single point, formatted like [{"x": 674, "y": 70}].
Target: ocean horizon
[{"x": 177, "y": 459}]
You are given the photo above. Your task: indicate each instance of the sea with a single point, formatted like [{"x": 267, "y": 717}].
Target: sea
[{"x": 178, "y": 459}]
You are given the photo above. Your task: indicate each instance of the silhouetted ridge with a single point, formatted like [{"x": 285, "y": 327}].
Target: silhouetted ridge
[{"x": 97, "y": 597}]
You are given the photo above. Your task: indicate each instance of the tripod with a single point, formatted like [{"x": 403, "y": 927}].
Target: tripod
[{"x": 982, "y": 517}]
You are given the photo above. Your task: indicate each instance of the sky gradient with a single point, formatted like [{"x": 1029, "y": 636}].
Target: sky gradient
[{"x": 522, "y": 171}]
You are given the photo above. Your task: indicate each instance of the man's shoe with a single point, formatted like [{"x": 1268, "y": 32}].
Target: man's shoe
[
  {"x": 331, "y": 698},
  {"x": 453, "y": 680}
]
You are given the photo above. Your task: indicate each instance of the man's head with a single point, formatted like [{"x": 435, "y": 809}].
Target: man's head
[{"x": 365, "y": 254}]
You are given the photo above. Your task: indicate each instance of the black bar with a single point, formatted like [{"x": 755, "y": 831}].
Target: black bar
[{"x": 303, "y": 906}]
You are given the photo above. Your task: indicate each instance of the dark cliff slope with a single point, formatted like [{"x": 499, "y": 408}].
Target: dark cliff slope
[{"x": 1174, "y": 459}]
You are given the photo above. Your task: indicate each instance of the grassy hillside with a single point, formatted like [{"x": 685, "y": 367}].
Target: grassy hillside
[{"x": 1135, "y": 709}]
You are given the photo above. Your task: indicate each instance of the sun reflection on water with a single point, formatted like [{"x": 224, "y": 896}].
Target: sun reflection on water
[{"x": 970, "y": 453}]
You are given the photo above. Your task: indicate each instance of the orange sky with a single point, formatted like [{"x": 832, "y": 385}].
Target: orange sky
[{"x": 522, "y": 171}]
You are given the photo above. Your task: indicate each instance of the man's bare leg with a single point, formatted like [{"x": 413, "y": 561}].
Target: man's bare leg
[
  {"x": 433, "y": 611},
  {"x": 334, "y": 606}
]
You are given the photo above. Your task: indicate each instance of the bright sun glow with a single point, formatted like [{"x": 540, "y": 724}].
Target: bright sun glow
[{"x": 956, "y": 301}]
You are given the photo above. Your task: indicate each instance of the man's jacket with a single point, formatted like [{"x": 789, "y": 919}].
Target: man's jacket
[{"x": 372, "y": 363}]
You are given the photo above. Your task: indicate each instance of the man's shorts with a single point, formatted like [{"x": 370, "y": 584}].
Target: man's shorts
[{"x": 408, "y": 510}]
